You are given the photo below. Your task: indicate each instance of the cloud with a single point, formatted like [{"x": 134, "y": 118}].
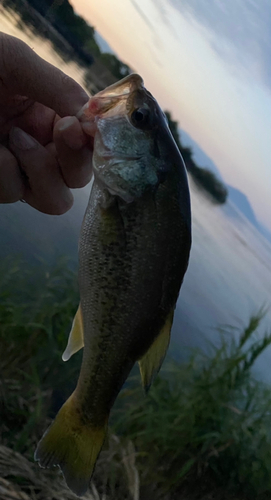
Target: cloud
[
  {"x": 239, "y": 31},
  {"x": 157, "y": 42},
  {"x": 143, "y": 15}
]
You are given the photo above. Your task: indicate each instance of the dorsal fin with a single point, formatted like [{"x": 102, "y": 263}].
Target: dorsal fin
[
  {"x": 76, "y": 337},
  {"x": 152, "y": 360}
]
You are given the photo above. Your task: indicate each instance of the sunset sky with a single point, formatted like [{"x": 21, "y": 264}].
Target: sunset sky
[{"x": 209, "y": 63}]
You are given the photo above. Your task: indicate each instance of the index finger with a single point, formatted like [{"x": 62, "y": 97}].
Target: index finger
[{"x": 23, "y": 72}]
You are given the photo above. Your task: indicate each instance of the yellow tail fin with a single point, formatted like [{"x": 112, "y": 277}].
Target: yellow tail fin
[{"x": 72, "y": 445}]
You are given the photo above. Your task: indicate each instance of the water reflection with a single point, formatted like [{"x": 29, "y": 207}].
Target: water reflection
[
  {"x": 27, "y": 18},
  {"x": 11, "y": 22},
  {"x": 229, "y": 276},
  {"x": 19, "y": 19}
]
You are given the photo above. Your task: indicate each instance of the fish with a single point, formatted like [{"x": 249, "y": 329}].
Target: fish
[{"x": 133, "y": 254}]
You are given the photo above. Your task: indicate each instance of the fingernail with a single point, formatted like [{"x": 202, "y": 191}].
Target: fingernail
[
  {"x": 90, "y": 128},
  {"x": 67, "y": 122},
  {"x": 21, "y": 139},
  {"x": 71, "y": 133}
]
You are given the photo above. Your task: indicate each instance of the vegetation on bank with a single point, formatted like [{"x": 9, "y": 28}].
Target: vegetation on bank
[
  {"x": 80, "y": 37},
  {"x": 203, "y": 177},
  {"x": 203, "y": 429}
]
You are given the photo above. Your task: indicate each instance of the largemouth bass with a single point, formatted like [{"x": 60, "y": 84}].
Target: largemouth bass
[{"x": 133, "y": 254}]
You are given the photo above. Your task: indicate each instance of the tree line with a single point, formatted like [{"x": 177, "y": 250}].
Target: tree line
[
  {"x": 203, "y": 177},
  {"x": 80, "y": 35}
]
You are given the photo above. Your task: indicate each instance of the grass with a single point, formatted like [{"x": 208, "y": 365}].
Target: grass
[
  {"x": 37, "y": 304},
  {"x": 203, "y": 429},
  {"x": 208, "y": 419}
]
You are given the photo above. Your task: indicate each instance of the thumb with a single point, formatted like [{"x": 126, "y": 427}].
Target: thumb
[{"x": 23, "y": 72}]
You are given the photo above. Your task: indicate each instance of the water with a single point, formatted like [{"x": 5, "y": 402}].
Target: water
[
  {"x": 10, "y": 23},
  {"x": 229, "y": 276}
]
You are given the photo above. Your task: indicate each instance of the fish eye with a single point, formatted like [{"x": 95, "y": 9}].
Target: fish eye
[{"x": 141, "y": 118}]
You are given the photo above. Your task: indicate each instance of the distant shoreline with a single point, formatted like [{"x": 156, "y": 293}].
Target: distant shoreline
[
  {"x": 97, "y": 76},
  {"x": 37, "y": 23}
]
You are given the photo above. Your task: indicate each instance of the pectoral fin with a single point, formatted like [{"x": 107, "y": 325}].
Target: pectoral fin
[
  {"x": 152, "y": 360},
  {"x": 76, "y": 337}
]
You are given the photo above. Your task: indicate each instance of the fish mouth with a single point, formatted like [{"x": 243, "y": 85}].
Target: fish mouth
[
  {"x": 113, "y": 97},
  {"x": 123, "y": 87}
]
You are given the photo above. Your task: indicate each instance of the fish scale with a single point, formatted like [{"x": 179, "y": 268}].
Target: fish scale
[{"x": 133, "y": 254}]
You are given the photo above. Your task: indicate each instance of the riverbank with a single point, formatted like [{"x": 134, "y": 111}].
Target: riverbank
[
  {"x": 97, "y": 75},
  {"x": 203, "y": 431}
]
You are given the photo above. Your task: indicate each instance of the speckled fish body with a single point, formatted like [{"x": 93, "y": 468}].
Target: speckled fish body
[{"x": 133, "y": 254}]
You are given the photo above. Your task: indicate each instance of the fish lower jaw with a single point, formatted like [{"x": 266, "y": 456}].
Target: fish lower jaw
[
  {"x": 118, "y": 157},
  {"x": 124, "y": 196},
  {"x": 111, "y": 189},
  {"x": 108, "y": 193}
]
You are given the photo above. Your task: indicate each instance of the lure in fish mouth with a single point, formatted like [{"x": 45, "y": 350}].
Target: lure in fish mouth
[{"x": 133, "y": 254}]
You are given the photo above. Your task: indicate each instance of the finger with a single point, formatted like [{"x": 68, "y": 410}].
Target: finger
[
  {"x": 46, "y": 190},
  {"x": 24, "y": 72},
  {"x": 11, "y": 180},
  {"x": 37, "y": 121},
  {"x": 74, "y": 152}
]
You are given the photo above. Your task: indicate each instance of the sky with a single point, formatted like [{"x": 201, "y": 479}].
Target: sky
[{"x": 209, "y": 63}]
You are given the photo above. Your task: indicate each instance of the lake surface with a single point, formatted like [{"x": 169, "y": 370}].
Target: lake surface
[{"x": 229, "y": 276}]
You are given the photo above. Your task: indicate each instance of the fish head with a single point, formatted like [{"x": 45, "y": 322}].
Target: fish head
[{"x": 133, "y": 146}]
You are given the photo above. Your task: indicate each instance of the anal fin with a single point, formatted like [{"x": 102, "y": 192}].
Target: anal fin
[
  {"x": 152, "y": 360},
  {"x": 76, "y": 337}
]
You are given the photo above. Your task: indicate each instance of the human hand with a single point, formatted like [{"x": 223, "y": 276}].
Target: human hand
[{"x": 43, "y": 149}]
